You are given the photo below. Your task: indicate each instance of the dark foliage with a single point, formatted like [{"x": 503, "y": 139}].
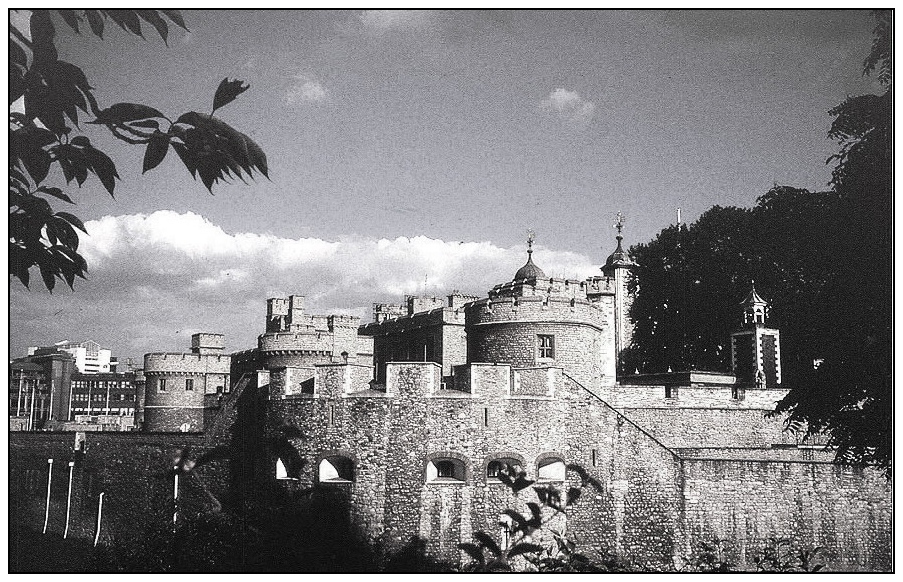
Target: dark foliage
[
  {"x": 822, "y": 260},
  {"x": 54, "y": 92}
]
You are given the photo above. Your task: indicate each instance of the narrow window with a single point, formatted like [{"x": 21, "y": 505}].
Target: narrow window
[
  {"x": 189, "y": 384},
  {"x": 161, "y": 385},
  {"x": 546, "y": 347},
  {"x": 485, "y": 417},
  {"x": 594, "y": 457}
]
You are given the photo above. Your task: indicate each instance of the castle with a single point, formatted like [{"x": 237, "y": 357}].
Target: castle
[{"x": 413, "y": 414}]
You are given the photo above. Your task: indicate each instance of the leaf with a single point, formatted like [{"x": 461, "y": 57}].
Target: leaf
[
  {"x": 227, "y": 91},
  {"x": 175, "y": 16},
  {"x": 55, "y": 192},
  {"x": 73, "y": 220},
  {"x": 573, "y": 495},
  {"x": 524, "y": 548},
  {"x": 95, "y": 20},
  {"x": 488, "y": 543},
  {"x": 473, "y": 551},
  {"x": 71, "y": 18},
  {"x": 123, "y": 112},
  {"x": 80, "y": 141},
  {"x": 150, "y": 123},
  {"x": 47, "y": 276},
  {"x": 156, "y": 151},
  {"x": 127, "y": 20},
  {"x": 37, "y": 162},
  {"x": 103, "y": 167},
  {"x": 154, "y": 20}
]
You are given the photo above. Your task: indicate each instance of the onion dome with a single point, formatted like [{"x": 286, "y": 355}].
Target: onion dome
[
  {"x": 619, "y": 258},
  {"x": 529, "y": 270}
]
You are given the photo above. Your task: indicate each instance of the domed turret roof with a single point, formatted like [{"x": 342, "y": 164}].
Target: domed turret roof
[
  {"x": 619, "y": 258},
  {"x": 529, "y": 270}
]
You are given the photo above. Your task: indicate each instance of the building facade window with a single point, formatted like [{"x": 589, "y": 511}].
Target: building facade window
[
  {"x": 551, "y": 469},
  {"x": 507, "y": 465},
  {"x": 445, "y": 470},
  {"x": 161, "y": 385},
  {"x": 546, "y": 347},
  {"x": 189, "y": 384},
  {"x": 336, "y": 469},
  {"x": 670, "y": 391}
]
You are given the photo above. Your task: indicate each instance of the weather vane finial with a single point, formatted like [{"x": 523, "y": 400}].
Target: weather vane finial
[
  {"x": 619, "y": 221},
  {"x": 531, "y": 236}
]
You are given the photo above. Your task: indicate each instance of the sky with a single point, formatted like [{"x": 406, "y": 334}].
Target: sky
[{"x": 411, "y": 151}]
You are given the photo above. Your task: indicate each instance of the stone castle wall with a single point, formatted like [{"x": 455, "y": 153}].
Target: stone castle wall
[
  {"x": 814, "y": 504},
  {"x": 392, "y": 436},
  {"x": 654, "y": 507}
]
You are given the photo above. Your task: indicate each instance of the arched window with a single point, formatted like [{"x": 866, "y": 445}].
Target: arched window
[
  {"x": 551, "y": 469},
  {"x": 509, "y": 465},
  {"x": 281, "y": 471},
  {"x": 336, "y": 469},
  {"x": 445, "y": 470}
]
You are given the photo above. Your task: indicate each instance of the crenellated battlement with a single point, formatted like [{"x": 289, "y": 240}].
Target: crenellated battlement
[{"x": 408, "y": 380}]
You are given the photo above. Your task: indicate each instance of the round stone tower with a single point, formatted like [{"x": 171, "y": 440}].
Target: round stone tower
[{"x": 539, "y": 321}]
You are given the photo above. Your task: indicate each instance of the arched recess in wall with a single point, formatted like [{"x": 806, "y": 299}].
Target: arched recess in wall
[
  {"x": 551, "y": 467},
  {"x": 447, "y": 467},
  {"x": 511, "y": 463},
  {"x": 336, "y": 467}
]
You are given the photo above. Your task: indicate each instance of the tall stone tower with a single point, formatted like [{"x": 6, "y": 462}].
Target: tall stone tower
[
  {"x": 618, "y": 268},
  {"x": 756, "y": 349}
]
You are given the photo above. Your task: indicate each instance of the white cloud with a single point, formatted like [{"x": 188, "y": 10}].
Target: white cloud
[
  {"x": 153, "y": 278},
  {"x": 380, "y": 20},
  {"x": 569, "y": 105},
  {"x": 306, "y": 88}
]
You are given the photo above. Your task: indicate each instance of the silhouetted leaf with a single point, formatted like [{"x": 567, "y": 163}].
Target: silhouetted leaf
[
  {"x": 156, "y": 151},
  {"x": 73, "y": 220},
  {"x": 95, "y": 20},
  {"x": 151, "y": 17},
  {"x": 176, "y": 17},
  {"x": 55, "y": 192},
  {"x": 573, "y": 495},
  {"x": 124, "y": 112},
  {"x": 524, "y": 548},
  {"x": 71, "y": 18},
  {"x": 488, "y": 543},
  {"x": 227, "y": 91},
  {"x": 472, "y": 550},
  {"x": 127, "y": 20}
]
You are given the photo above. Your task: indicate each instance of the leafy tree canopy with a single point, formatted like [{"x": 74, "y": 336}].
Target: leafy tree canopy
[
  {"x": 49, "y": 134},
  {"x": 822, "y": 260}
]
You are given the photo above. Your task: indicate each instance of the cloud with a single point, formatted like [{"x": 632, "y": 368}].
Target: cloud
[
  {"x": 569, "y": 105},
  {"x": 153, "y": 278},
  {"x": 306, "y": 88},
  {"x": 380, "y": 20}
]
